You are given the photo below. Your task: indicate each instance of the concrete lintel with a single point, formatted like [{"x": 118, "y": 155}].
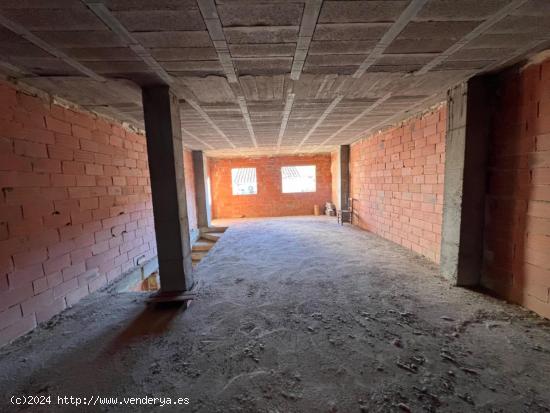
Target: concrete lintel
[{"x": 165, "y": 156}]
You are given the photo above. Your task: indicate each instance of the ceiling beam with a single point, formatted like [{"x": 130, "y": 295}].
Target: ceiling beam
[
  {"x": 185, "y": 131},
  {"x": 284, "y": 122},
  {"x": 307, "y": 27},
  {"x": 406, "y": 16},
  {"x": 320, "y": 120},
  {"x": 463, "y": 78},
  {"x": 105, "y": 15},
  {"x": 27, "y": 35},
  {"x": 520, "y": 52},
  {"x": 377, "y": 103},
  {"x": 488, "y": 23},
  {"x": 14, "y": 71},
  {"x": 244, "y": 110},
  {"x": 208, "y": 119},
  {"x": 112, "y": 22},
  {"x": 417, "y": 106},
  {"x": 393, "y": 118},
  {"x": 215, "y": 30}
]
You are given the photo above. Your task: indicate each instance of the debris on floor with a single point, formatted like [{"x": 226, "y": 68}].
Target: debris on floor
[{"x": 292, "y": 315}]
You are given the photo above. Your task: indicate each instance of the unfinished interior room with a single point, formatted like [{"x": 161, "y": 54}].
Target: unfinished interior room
[{"x": 275, "y": 206}]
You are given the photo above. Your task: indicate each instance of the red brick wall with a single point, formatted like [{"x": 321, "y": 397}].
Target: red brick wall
[
  {"x": 269, "y": 201},
  {"x": 75, "y": 207},
  {"x": 517, "y": 231},
  {"x": 397, "y": 182}
]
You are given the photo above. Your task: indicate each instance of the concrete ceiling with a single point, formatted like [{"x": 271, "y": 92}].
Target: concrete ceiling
[{"x": 271, "y": 76}]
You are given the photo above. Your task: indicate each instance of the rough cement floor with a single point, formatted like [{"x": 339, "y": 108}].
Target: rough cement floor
[{"x": 295, "y": 315}]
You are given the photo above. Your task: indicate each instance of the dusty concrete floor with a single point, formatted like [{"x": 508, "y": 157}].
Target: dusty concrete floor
[{"x": 295, "y": 315}]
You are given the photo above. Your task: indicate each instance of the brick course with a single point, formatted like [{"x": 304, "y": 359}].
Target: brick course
[
  {"x": 269, "y": 201},
  {"x": 396, "y": 179},
  {"x": 517, "y": 229},
  {"x": 75, "y": 207}
]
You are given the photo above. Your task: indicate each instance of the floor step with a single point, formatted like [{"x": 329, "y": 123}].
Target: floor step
[
  {"x": 205, "y": 230},
  {"x": 202, "y": 245},
  {"x": 212, "y": 236},
  {"x": 209, "y": 236},
  {"x": 199, "y": 255}
]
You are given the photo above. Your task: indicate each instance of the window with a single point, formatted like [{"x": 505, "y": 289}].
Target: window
[
  {"x": 298, "y": 179},
  {"x": 243, "y": 181}
]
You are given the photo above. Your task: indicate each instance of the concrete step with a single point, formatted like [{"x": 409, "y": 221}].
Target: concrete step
[
  {"x": 202, "y": 245},
  {"x": 205, "y": 230},
  {"x": 199, "y": 255},
  {"x": 212, "y": 236}
]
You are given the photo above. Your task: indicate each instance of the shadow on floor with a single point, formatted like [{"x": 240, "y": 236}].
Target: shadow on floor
[{"x": 154, "y": 320}]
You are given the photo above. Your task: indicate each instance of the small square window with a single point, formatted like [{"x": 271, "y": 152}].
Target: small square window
[
  {"x": 298, "y": 179},
  {"x": 243, "y": 181}
]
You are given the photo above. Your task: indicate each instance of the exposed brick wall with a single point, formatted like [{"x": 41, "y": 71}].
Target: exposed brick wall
[
  {"x": 269, "y": 201},
  {"x": 517, "y": 230},
  {"x": 75, "y": 207},
  {"x": 397, "y": 182}
]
